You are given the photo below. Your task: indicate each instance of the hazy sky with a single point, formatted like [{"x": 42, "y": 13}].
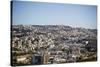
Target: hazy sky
[{"x": 39, "y": 13}]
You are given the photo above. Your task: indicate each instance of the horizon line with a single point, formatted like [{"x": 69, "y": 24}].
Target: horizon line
[{"x": 55, "y": 25}]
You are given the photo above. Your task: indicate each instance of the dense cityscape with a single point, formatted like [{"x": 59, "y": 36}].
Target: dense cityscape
[{"x": 52, "y": 44}]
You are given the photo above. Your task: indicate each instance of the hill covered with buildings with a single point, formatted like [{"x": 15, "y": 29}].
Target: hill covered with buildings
[{"x": 48, "y": 44}]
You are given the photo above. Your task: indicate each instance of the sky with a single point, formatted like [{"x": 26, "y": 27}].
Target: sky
[{"x": 42, "y": 13}]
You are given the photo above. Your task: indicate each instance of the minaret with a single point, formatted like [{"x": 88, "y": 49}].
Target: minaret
[{"x": 45, "y": 57}]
